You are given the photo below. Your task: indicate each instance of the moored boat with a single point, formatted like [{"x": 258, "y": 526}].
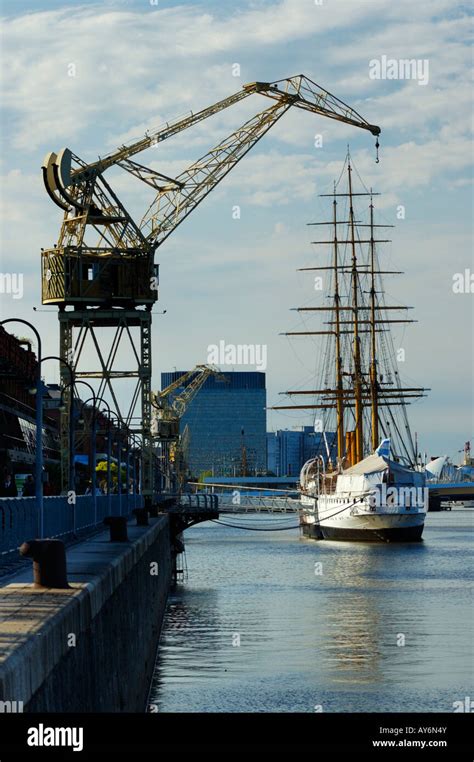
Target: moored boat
[
  {"x": 378, "y": 499},
  {"x": 357, "y": 488}
]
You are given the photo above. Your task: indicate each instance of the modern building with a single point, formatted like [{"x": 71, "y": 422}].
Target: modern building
[
  {"x": 287, "y": 450},
  {"x": 227, "y": 424}
]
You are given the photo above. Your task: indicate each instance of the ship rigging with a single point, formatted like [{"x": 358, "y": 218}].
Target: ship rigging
[{"x": 359, "y": 393}]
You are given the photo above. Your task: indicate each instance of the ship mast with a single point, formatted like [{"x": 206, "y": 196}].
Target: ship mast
[
  {"x": 359, "y": 433},
  {"x": 367, "y": 390},
  {"x": 373, "y": 344},
  {"x": 337, "y": 305}
]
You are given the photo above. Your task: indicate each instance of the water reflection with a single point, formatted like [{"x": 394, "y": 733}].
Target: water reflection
[{"x": 330, "y": 638}]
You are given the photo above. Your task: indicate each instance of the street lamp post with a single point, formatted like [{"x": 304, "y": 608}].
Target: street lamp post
[
  {"x": 72, "y": 467},
  {"x": 93, "y": 451},
  {"x": 71, "y": 475},
  {"x": 72, "y": 455},
  {"x": 119, "y": 475},
  {"x": 94, "y": 458},
  {"x": 135, "y": 467},
  {"x": 120, "y": 428},
  {"x": 39, "y": 428},
  {"x": 109, "y": 453},
  {"x": 135, "y": 476},
  {"x": 127, "y": 470},
  {"x": 109, "y": 480}
]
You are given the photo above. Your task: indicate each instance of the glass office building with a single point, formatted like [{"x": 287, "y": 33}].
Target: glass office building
[
  {"x": 227, "y": 424},
  {"x": 287, "y": 451}
]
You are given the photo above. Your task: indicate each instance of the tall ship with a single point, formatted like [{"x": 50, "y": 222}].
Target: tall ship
[{"x": 368, "y": 484}]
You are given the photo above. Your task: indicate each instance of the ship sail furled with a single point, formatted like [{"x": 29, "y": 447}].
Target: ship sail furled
[{"x": 359, "y": 393}]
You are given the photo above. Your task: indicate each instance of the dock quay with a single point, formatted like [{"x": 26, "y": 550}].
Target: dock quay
[{"x": 90, "y": 647}]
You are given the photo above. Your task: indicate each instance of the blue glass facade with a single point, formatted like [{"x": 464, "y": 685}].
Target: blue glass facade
[
  {"x": 287, "y": 451},
  {"x": 224, "y": 419}
]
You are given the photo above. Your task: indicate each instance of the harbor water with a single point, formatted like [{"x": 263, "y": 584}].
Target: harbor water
[{"x": 271, "y": 622}]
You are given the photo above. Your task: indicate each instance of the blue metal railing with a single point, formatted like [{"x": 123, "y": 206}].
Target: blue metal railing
[{"x": 19, "y": 517}]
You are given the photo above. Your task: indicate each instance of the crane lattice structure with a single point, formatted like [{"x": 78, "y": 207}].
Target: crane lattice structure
[
  {"x": 102, "y": 273},
  {"x": 168, "y": 409},
  {"x": 179, "y": 454}
]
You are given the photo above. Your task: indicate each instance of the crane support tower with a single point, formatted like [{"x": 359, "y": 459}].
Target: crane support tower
[{"x": 102, "y": 273}]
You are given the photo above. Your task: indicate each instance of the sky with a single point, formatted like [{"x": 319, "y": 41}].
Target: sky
[{"x": 138, "y": 64}]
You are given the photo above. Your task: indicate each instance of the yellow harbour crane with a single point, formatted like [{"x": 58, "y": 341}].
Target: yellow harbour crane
[
  {"x": 167, "y": 413},
  {"x": 102, "y": 274}
]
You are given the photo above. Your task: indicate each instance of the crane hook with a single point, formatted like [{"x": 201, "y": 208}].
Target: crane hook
[{"x": 377, "y": 145}]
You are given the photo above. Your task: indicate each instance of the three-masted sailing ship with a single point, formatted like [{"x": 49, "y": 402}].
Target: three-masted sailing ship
[{"x": 367, "y": 485}]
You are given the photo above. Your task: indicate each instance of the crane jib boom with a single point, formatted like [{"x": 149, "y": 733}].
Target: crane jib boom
[
  {"x": 317, "y": 100},
  {"x": 72, "y": 183},
  {"x": 190, "y": 383}
]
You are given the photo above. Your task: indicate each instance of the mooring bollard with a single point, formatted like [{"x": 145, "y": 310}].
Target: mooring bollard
[
  {"x": 118, "y": 528},
  {"x": 142, "y": 516},
  {"x": 49, "y": 562}
]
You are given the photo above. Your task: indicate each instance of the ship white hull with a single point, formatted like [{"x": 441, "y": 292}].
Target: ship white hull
[
  {"x": 377, "y": 500},
  {"x": 345, "y": 522}
]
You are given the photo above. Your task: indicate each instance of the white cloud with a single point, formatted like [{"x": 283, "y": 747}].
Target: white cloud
[{"x": 135, "y": 69}]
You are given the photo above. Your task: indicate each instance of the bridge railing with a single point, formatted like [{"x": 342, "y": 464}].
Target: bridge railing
[
  {"x": 199, "y": 500},
  {"x": 242, "y": 503},
  {"x": 19, "y": 516}
]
